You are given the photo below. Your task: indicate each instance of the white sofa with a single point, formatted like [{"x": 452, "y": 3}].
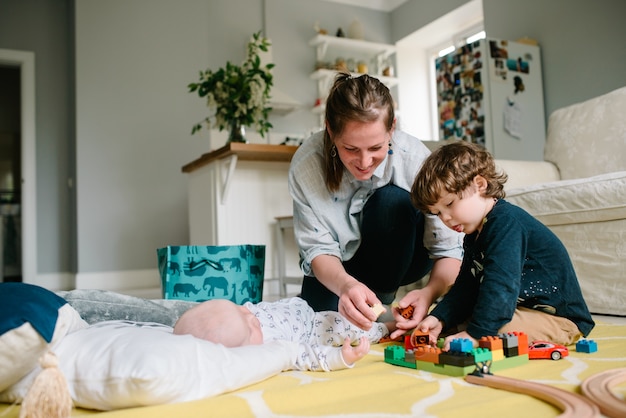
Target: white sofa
[{"x": 579, "y": 192}]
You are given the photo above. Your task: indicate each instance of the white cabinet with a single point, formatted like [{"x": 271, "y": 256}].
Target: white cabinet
[
  {"x": 377, "y": 57},
  {"x": 235, "y": 194}
]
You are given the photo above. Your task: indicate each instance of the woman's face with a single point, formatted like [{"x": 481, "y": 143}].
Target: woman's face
[{"x": 362, "y": 147}]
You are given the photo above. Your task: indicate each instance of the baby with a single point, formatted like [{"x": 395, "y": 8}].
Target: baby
[{"x": 325, "y": 338}]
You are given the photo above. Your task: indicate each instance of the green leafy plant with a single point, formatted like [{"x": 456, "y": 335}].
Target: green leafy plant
[{"x": 238, "y": 93}]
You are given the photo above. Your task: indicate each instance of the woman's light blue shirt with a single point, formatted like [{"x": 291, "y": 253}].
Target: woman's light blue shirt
[{"x": 329, "y": 223}]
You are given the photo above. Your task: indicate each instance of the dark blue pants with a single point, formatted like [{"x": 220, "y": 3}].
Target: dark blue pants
[{"x": 391, "y": 252}]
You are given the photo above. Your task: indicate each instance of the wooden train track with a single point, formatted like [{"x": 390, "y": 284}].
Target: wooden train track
[
  {"x": 598, "y": 389},
  {"x": 571, "y": 404}
]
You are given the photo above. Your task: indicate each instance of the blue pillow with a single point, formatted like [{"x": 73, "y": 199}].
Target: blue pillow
[
  {"x": 22, "y": 302},
  {"x": 32, "y": 321}
]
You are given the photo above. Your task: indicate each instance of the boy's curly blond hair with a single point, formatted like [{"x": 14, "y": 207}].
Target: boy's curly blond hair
[{"x": 451, "y": 169}]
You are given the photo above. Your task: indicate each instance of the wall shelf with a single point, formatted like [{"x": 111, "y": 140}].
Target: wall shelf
[
  {"x": 350, "y": 46},
  {"x": 330, "y": 48}
]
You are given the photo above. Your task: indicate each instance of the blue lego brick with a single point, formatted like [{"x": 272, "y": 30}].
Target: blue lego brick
[
  {"x": 461, "y": 344},
  {"x": 586, "y": 346}
]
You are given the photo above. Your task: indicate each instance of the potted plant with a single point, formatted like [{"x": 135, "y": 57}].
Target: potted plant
[{"x": 238, "y": 95}]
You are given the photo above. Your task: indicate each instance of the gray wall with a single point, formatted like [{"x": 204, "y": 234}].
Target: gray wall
[
  {"x": 582, "y": 48},
  {"x": 133, "y": 115},
  {"x": 582, "y": 43},
  {"x": 45, "y": 27}
]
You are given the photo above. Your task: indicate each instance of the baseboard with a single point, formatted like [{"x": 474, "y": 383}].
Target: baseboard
[
  {"x": 52, "y": 281},
  {"x": 108, "y": 280},
  {"x": 119, "y": 280},
  {"x": 139, "y": 283}
]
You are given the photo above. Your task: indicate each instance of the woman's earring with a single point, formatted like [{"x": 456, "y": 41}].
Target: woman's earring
[
  {"x": 333, "y": 151},
  {"x": 390, "y": 151}
]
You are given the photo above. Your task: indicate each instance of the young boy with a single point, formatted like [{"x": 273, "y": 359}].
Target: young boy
[
  {"x": 325, "y": 337},
  {"x": 516, "y": 275}
]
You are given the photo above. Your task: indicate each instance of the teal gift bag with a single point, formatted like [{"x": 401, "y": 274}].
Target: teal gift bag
[{"x": 198, "y": 273}]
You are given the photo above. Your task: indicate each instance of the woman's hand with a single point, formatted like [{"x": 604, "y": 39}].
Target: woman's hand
[
  {"x": 352, "y": 354},
  {"x": 355, "y": 303}
]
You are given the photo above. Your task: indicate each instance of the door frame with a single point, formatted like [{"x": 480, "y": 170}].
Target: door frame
[{"x": 25, "y": 60}]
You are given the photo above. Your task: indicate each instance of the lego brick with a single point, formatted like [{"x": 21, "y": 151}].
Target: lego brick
[
  {"x": 378, "y": 309},
  {"x": 509, "y": 362},
  {"x": 491, "y": 342},
  {"x": 461, "y": 344},
  {"x": 497, "y": 355},
  {"x": 456, "y": 358},
  {"x": 446, "y": 369},
  {"x": 522, "y": 339},
  {"x": 511, "y": 352},
  {"x": 586, "y": 346},
  {"x": 419, "y": 338},
  {"x": 427, "y": 353},
  {"x": 508, "y": 341},
  {"x": 481, "y": 355},
  {"x": 395, "y": 354}
]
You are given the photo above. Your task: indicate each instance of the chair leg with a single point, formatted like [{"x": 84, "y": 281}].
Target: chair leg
[{"x": 280, "y": 250}]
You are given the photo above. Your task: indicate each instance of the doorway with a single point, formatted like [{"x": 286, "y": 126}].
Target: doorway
[
  {"x": 10, "y": 175},
  {"x": 18, "y": 179}
]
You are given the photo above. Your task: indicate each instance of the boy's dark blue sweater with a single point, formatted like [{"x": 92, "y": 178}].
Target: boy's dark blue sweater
[{"x": 514, "y": 261}]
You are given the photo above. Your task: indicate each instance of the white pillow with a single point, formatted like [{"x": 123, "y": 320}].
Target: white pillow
[{"x": 123, "y": 364}]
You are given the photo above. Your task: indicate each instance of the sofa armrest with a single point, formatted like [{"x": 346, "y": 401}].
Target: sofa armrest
[{"x": 527, "y": 173}]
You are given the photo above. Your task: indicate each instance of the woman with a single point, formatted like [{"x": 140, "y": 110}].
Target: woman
[{"x": 359, "y": 236}]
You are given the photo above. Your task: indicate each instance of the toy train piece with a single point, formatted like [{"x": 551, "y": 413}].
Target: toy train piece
[{"x": 493, "y": 353}]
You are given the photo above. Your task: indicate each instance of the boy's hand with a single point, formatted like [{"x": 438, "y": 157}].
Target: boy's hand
[
  {"x": 352, "y": 354},
  {"x": 419, "y": 301},
  {"x": 461, "y": 335},
  {"x": 432, "y": 326}
]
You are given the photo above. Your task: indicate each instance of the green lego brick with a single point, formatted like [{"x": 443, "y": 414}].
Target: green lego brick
[
  {"x": 446, "y": 369},
  {"x": 509, "y": 362}
]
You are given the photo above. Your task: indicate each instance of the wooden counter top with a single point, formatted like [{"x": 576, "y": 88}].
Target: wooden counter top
[{"x": 244, "y": 152}]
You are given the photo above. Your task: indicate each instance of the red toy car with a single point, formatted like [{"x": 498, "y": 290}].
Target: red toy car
[{"x": 545, "y": 349}]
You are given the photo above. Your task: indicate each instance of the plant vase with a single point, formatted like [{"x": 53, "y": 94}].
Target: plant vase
[{"x": 237, "y": 132}]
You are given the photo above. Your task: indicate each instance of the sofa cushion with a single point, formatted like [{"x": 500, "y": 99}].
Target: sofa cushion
[
  {"x": 526, "y": 173},
  {"x": 589, "y": 138},
  {"x": 598, "y": 251},
  {"x": 592, "y": 199}
]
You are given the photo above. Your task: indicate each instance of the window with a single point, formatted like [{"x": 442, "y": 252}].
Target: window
[
  {"x": 458, "y": 40},
  {"x": 414, "y": 61}
]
